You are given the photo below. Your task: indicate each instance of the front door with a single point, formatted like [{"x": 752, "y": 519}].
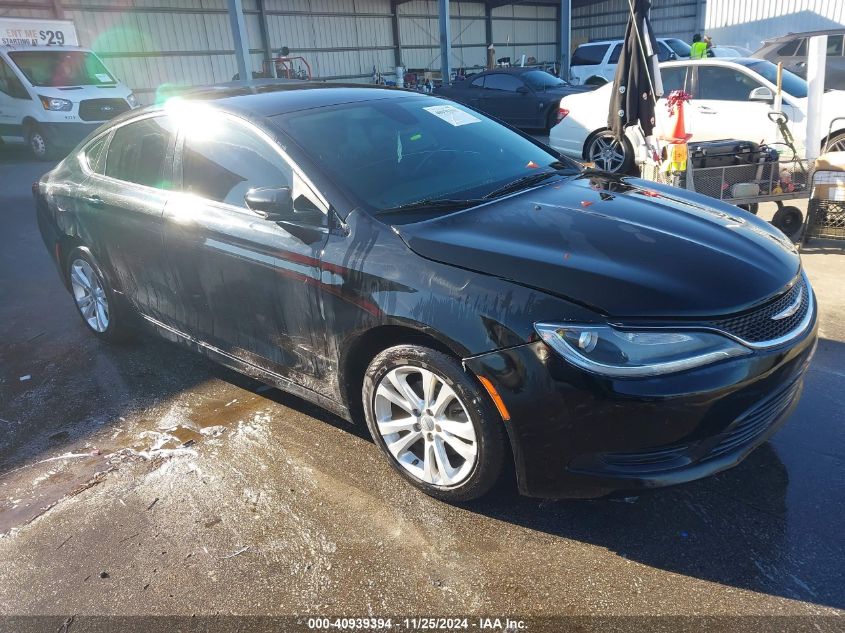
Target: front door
[
  {"x": 506, "y": 97},
  {"x": 14, "y": 101},
  {"x": 721, "y": 109},
  {"x": 249, "y": 285}
]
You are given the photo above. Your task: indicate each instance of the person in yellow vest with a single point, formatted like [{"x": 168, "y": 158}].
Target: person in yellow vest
[{"x": 698, "y": 50}]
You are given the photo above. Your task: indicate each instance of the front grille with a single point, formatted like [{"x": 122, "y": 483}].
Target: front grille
[
  {"x": 758, "y": 326},
  {"x": 755, "y": 422},
  {"x": 101, "y": 109}
]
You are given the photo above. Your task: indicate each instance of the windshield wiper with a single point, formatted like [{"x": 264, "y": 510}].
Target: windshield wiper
[
  {"x": 525, "y": 182},
  {"x": 435, "y": 204}
]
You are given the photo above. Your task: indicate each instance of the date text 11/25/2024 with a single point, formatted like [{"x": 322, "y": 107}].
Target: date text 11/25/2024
[{"x": 418, "y": 624}]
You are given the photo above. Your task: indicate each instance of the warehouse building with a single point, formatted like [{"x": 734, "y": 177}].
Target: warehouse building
[{"x": 156, "y": 43}]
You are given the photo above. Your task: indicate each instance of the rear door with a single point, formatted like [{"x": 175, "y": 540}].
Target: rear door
[
  {"x": 121, "y": 205},
  {"x": 249, "y": 285}
]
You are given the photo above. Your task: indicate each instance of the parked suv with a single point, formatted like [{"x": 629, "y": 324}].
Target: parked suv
[
  {"x": 792, "y": 51},
  {"x": 594, "y": 63}
]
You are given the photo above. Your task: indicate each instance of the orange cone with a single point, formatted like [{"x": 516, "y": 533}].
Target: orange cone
[{"x": 679, "y": 132}]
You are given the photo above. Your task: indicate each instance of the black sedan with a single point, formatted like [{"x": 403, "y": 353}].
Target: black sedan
[
  {"x": 473, "y": 296},
  {"x": 526, "y": 98}
]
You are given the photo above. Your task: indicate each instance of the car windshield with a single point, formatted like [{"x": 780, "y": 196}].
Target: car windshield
[
  {"x": 392, "y": 153},
  {"x": 541, "y": 80},
  {"x": 679, "y": 47},
  {"x": 792, "y": 84},
  {"x": 62, "y": 68}
]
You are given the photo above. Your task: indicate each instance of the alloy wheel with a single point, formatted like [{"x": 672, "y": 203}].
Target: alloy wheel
[
  {"x": 425, "y": 426},
  {"x": 90, "y": 295},
  {"x": 607, "y": 153}
]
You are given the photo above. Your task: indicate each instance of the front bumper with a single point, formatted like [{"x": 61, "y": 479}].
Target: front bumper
[{"x": 574, "y": 434}]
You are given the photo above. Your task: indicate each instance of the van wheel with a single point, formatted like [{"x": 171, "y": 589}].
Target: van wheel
[
  {"x": 39, "y": 146},
  {"x": 434, "y": 423}
]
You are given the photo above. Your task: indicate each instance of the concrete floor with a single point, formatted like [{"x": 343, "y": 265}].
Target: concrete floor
[{"x": 194, "y": 490}]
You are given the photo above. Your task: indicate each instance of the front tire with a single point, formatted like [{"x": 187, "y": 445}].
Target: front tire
[
  {"x": 433, "y": 423},
  {"x": 39, "y": 146},
  {"x": 836, "y": 143},
  {"x": 95, "y": 300}
]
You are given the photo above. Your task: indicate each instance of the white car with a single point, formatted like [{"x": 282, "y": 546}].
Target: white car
[
  {"x": 51, "y": 97},
  {"x": 594, "y": 63},
  {"x": 731, "y": 99}
]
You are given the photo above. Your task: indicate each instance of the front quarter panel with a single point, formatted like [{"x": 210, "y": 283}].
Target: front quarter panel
[{"x": 371, "y": 279}]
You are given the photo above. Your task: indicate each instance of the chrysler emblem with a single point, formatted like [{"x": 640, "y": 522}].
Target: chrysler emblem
[
  {"x": 106, "y": 109},
  {"x": 791, "y": 309}
]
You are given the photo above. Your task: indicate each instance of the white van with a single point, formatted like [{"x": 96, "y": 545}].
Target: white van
[{"x": 51, "y": 97}]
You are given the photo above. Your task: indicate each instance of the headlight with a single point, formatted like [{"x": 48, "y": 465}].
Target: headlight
[
  {"x": 54, "y": 103},
  {"x": 132, "y": 100},
  {"x": 604, "y": 350}
]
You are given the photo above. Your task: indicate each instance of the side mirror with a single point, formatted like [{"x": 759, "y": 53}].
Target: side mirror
[
  {"x": 274, "y": 204},
  {"x": 761, "y": 94},
  {"x": 522, "y": 90}
]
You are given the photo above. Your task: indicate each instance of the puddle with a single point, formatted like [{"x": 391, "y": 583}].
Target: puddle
[{"x": 178, "y": 427}]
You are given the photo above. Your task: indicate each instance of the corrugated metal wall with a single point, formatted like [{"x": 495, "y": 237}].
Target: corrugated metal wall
[
  {"x": 607, "y": 19},
  {"x": 153, "y": 43},
  {"x": 749, "y": 22}
]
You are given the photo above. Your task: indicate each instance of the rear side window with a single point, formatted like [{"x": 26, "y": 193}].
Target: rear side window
[
  {"x": 223, "y": 163},
  {"x": 589, "y": 54},
  {"x": 500, "y": 81},
  {"x": 137, "y": 152},
  {"x": 724, "y": 84},
  {"x": 478, "y": 83},
  {"x": 95, "y": 155}
]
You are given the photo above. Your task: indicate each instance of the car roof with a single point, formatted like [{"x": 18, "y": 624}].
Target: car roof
[
  {"x": 789, "y": 36},
  {"x": 513, "y": 70},
  {"x": 597, "y": 42},
  {"x": 258, "y": 104}
]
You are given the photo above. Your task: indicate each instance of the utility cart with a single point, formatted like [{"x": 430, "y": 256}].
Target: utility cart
[{"x": 826, "y": 210}]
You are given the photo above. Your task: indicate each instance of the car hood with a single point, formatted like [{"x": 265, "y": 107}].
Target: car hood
[{"x": 623, "y": 247}]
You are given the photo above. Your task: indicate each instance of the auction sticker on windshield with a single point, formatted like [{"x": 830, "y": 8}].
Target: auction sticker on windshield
[{"x": 452, "y": 115}]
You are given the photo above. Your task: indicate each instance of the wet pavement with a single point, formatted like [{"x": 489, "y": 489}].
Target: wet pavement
[{"x": 143, "y": 479}]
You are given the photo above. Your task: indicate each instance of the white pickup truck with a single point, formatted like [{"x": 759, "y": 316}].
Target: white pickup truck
[{"x": 53, "y": 93}]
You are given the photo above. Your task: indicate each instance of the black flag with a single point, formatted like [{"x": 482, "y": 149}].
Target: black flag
[{"x": 637, "y": 81}]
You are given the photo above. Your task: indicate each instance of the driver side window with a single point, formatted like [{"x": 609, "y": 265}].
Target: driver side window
[
  {"x": 505, "y": 83},
  {"x": 724, "y": 84},
  {"x": 10, "y": 84},
  {"x": 224, "y": 162}
]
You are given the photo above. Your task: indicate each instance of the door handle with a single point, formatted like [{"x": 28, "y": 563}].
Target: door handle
[{"x": 95, "y": 201}]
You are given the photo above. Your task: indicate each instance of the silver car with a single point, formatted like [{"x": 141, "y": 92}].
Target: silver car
[{"x": 792, "y": 51}]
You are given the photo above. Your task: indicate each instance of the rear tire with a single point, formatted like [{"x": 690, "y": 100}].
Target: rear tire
[
  {"x": 609, "y": 154},
  {"x": 836, "y": 143},
  {"x": 447, "y": 439},
  {"x": 99, "y": 307}
]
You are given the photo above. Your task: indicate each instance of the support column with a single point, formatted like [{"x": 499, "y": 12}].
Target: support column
[
  {"x": 565, "y": 36},
  {"x": 58, "y": 9},
  {"x": 445, "y": 40},
  {"x": 397, "y": 43},
  {"x": 240, "y": 39},
  {"x": 265, "y": 33}
]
